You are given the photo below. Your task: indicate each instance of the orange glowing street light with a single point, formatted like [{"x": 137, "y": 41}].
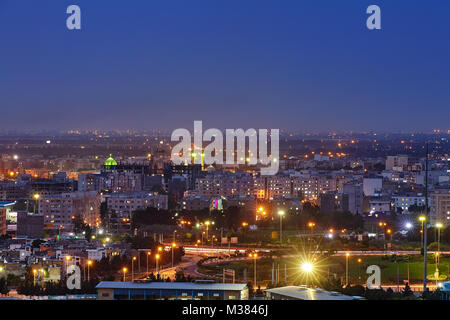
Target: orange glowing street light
[
  {"x": 124, "y": 273},
  {"x": 174, "y": 245},
  {"x": 89, "y": 263},
  {"x": 34, "y": 276}
]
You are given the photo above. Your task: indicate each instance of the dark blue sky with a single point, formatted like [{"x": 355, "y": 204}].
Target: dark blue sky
[{"x": 288, "y": 64}]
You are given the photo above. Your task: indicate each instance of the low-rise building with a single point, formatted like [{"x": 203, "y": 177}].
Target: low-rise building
[
  {"x": 114, "y": 290},
  {"x": 305, "y": 293}
]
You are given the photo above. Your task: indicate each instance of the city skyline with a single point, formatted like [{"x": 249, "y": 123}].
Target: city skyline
[{"x": 293, "y": 66}]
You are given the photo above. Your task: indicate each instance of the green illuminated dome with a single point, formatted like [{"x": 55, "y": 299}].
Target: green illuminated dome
[{"x": 110, "y": 161}]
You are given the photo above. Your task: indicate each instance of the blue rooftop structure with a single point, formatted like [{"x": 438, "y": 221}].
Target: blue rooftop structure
[
  {"x": 4, "y": 204},
  {"x": 114, "y": 290}
]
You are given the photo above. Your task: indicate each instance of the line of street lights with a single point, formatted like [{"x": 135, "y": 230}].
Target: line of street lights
[{"x": 157, "y": 257}]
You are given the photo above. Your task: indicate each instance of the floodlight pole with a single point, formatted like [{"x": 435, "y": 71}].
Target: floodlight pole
[{"x": 426, "y": 224}]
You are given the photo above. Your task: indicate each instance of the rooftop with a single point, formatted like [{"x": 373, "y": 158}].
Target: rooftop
[
  {"x": 171, "y": 285},
  {"x": 304, "y": 293},
  {"x": 4, "y": 204}
]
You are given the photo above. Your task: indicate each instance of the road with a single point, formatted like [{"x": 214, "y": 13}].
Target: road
[{"x": 188, "y": 264}]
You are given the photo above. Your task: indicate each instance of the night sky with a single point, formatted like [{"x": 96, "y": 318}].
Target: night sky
[{"x": 302, "y": 65}]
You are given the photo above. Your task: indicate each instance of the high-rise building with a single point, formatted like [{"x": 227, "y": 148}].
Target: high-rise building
[
  {"x": 355, "y": 197},
  {"x": 396, "y": 163},
  {"x": 60, "y": 210},
  {"x": 4, "y": 206},
  {"x": 440, "y": 206}
]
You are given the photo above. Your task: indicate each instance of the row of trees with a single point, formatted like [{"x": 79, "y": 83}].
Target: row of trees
[{"x": 52, "y": 288}]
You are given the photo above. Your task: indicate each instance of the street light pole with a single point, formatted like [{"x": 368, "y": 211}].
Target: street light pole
[
  {"x": 132, "y": 269},
  {"x": 88, "y": 264},
  {"x": 157, "y": 266},
  {"x": 124, "y": 273},
  {"x": 438, "y": 226},
  {"x": 207, "y": 229},
  {"x": 254, "y": 259},
  {"x": 346, "y": 268},
  {"x": 426, "y": 222},
  {"x": 173, "y": 247},
  {"x": 148, "y": 254},
  {"x": 281, "y": 213},
  {"x": 34, "y": 277},
  {"x": 422, "y": 219}
]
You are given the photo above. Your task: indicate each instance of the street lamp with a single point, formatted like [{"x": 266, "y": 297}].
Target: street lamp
[
  {"x": 389, "y": 231},
  {"x": 36, "y": 197},
  {"x": 346, "y": 268},
  {"x": 34, "y": 277},
  {"x": 173, "y": 247},
  {"x": 359, "y": 269},
  {"x": 157, "y": 259},
  {"x": 132, "y": 269},
  {"x": 207, "y": 228},
  {"x": 124, "y": 273},
  {"x": 281, "y": 214},
  {"x": 148, "y": 255},
  {"x": 89, "y": 262},
  {"x": 311, "y": 225},
  {"x": 438, "y": 226},
  {"x": 307, "y": 268},
  {"x": 422, "y": 220},
  {"x": 254, "y": 256},
  {"x": 67, "y": 262}
]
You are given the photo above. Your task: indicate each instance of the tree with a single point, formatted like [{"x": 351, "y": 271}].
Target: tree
[
  {"x": 3, "y": 286},
  {"x": 406, "y": 292},
  {"x": 357, "y": 290},
  {"x": 149, "y": 216},
  {"x": 250, "y": 288},
  {"x": 37, "y": 243}
]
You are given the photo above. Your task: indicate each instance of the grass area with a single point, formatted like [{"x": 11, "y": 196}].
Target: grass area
[{"x": 336, "y": 265}]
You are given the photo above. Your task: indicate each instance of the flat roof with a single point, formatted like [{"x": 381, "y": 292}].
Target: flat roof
[
  {"x": 171, "y": 285},
  {"x": 304, "y": 293},
  {"x": 6, "y": 203}
]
